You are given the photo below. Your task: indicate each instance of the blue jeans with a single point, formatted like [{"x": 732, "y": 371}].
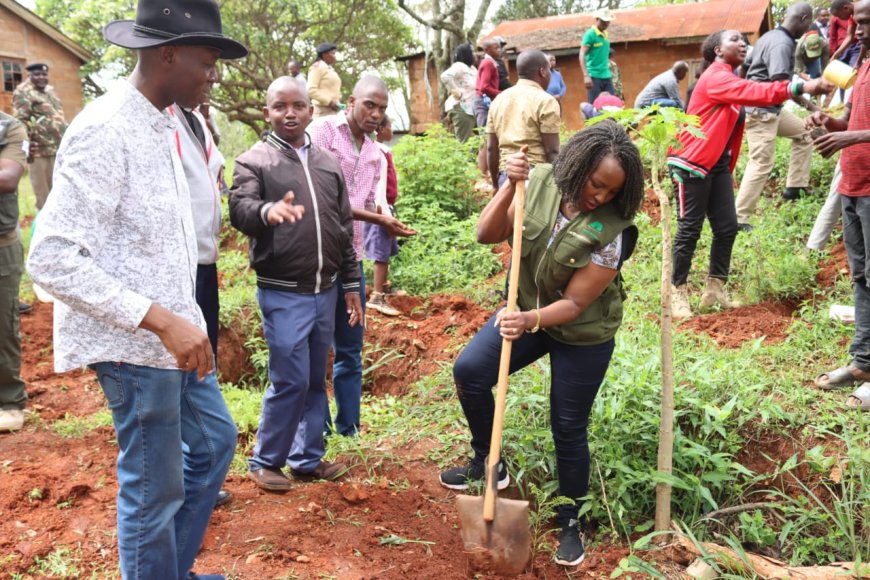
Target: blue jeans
[
  {"x": 481, "y": 110},
  {"x": 814, "y": 68},
  {"x": 856, "y": 238},
  {"x": 298, "y": 329},
  {"x": 576, "y": 374},
  {"x": 347, "y": 365},
  {"x": 176, "y": 440},
  {"x": 664, "y": 103}
]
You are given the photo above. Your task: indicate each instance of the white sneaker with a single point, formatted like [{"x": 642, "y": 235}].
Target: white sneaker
[{"x": 11, "y": 419}]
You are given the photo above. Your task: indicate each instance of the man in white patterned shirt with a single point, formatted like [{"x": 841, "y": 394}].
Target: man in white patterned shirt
[{"x": 116, "y": 247}]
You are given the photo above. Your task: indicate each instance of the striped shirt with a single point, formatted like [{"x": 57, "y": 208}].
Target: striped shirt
[{"x": 361, "y": 168}]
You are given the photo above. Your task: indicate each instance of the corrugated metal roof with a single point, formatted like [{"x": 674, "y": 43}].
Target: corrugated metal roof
[{"x": 674, "y": 21}]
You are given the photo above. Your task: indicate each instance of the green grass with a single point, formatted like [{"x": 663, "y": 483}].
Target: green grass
[
  {"x": 26, "y": 209},
  {"x": 726, "y": 399},
  {"x": 73, "y": 426},
  {"x": 66, "y": 562}
]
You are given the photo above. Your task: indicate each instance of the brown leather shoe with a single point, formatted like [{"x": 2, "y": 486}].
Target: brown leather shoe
[
  {"x": 326, "y": 470},
  {"x": 270, "y": 479}
]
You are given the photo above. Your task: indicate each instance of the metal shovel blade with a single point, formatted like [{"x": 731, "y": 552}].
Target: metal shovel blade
[{"x": 502, "y": 545}]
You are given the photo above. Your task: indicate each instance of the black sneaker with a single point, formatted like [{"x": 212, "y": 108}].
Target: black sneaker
[
  {"x": 224, "y": 497},
  {"x": 791, "y": 193},
  {"x": 570, "y": 552},
  {"x": 458, "y": 477},
  {"x": 745, "y": 228}
]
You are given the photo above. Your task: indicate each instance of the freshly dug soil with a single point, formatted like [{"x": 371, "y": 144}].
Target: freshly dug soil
[
  {"x": 399, "y": 523},
  {"x": 731, "y": 328}
]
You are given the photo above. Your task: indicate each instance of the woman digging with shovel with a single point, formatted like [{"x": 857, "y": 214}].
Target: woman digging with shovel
[{"x": 577, "y": 232}]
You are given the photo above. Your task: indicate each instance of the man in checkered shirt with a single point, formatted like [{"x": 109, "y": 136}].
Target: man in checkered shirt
[{"x": 348, "y": 135}]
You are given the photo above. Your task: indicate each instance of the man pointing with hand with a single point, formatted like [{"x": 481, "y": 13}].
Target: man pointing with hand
[{"x": 289, "y": 197}]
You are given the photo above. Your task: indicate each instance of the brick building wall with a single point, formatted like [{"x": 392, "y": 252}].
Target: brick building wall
[
  {"x": 638, "y": 62},
  {"x": 22, "y": 44}
]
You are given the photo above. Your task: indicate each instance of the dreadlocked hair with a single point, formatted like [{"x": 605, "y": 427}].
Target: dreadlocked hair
[
  {"x": 708, "y": 47},
  {"x": 580, "y": 156}
]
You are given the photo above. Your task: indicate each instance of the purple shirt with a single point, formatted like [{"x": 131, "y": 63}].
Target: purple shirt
[{"x": 361, "y": 169}]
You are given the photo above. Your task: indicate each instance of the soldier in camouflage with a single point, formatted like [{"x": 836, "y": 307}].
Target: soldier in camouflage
[
  {"x": 38, "y": 107},
  {"x": 13, "y": 158}
]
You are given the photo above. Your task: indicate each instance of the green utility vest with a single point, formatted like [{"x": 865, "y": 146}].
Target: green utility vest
[{"x": 545, "y": 271}]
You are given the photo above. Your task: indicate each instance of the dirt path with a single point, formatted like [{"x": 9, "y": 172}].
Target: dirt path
[{"x": 58, "y": 494}]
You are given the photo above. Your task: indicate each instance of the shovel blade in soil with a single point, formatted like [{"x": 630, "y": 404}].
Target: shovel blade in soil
[{"x": 502, "y": 545}]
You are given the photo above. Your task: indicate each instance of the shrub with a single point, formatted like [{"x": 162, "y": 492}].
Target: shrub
[{"x": 436, "y": 197}]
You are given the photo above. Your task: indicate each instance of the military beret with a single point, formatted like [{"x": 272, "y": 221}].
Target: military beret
[
  {"x": 37, "y": 67},
  {"x": 325, "y": 47}
]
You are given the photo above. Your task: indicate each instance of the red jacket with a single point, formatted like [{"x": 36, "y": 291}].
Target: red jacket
[
  {"x": 717, "y": 99},
  {"x": 487, "y": 78}
]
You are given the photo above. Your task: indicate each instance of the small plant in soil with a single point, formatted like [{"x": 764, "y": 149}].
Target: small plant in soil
[
  {"x": 656, "y": 130},
  {"x": 541, "y": 518},
  {"x": 394, "y": 540},
  {"x": 35, "y": 494}
]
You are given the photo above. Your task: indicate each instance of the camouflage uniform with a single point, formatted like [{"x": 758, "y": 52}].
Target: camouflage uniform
[
  {"x": 13, "y": 147},
  {"x": 42, "y": 114},
  {"x": 616, "y": 77}
]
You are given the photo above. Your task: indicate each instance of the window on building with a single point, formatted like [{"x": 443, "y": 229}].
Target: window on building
[{"x": 12, "y": 75}]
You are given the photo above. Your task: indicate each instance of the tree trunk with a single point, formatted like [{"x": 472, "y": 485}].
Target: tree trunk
[
  {"x": 666, "y": 428},
  {"x": 770, "y": 569},
  {"x": 448, "y": 23}
]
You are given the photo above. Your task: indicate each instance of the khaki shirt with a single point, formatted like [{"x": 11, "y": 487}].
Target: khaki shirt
[
  {"x": 324, "y": 84},
  {"x": 519, "y": 116}
]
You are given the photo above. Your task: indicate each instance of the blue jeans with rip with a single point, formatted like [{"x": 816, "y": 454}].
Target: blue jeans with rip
[
  {"x": 299, "y": 329},
  {"x": 347, "y": 365},
  {"x": 176, "y": 440}
]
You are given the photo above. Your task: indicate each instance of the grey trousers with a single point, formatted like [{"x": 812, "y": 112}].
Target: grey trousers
[
  {"x": 828, "y": 215},
  {"x": 856, "y": 234}
]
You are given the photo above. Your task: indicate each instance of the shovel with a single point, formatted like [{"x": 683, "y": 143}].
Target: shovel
[{"x": 495, "y": 530}]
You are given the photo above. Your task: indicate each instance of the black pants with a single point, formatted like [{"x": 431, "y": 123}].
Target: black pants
[
  {"x": 599, "y": 86},
  {"x": 713, "y": 198},
  {"x": 576, "y": 375},
  {"x": 207, "y": 298}
]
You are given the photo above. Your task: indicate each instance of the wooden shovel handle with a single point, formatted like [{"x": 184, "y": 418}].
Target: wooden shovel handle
[{"x": 504, "y": 363}]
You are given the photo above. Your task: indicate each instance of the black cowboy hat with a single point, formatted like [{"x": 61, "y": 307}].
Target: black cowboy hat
[{"x": 185, "y": 22}]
